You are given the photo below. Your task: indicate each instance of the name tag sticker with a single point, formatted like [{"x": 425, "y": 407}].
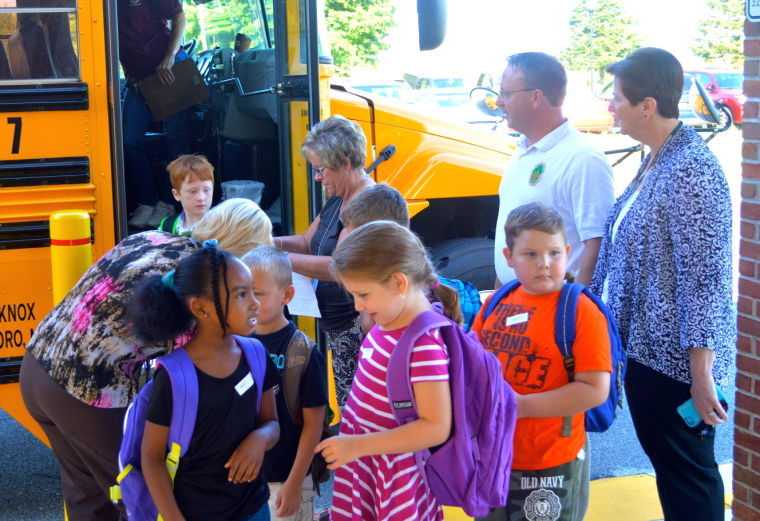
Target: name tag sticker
[
  {"x": 517, "y": 319},
  {"x": 244, "y": 384},
  {"x": 367, "y": 352}
]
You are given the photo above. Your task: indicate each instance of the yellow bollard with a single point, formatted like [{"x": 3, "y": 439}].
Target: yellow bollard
[{"x": 70, "y": 250}]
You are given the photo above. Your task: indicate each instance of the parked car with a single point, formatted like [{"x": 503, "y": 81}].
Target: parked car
[
  {"x": 430, "y": 82},
  {"x": 725, "y": 89},
  {"x": 588, "y": 113},
  {"x": 395, "y": 90}
]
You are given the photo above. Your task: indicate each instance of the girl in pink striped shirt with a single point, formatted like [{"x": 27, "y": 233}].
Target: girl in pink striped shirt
[{"x": 385, "y": 267}]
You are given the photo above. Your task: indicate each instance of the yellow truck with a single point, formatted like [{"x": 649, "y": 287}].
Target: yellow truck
[{"x": 61, "y": 142}]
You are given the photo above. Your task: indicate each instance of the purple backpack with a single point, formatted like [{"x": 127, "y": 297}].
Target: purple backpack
[
  {"x": 131, "y": 487},
  {"x": 471, "y": 469}
]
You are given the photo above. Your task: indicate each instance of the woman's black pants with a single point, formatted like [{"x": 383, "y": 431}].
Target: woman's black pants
[
  {"x": 688, "y": 481},
  {"x": 85, "y": 441}
]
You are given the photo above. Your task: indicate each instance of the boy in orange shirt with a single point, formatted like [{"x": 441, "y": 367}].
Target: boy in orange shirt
[{"x": 550, "y": 476}]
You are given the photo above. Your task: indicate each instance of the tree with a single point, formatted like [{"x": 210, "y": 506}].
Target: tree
[
  {"x": 600, "y": 34},
  {"x": 720, "y": 40},
  {"x": 358, "y": 30}
]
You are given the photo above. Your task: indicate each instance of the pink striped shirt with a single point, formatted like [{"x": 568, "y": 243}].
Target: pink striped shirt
[{"x": 388, "y": 487}]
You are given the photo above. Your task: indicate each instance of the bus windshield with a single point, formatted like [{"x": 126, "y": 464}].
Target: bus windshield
[{"x": 217, "y": 22}]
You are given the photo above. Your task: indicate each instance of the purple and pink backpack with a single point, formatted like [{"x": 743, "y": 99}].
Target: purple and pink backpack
[
  {"x": 131, "y": 487},
  {"x": 471, "y": 469}
]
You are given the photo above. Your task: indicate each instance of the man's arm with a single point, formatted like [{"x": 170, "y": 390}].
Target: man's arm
[
  {"x": 164, "y": 69},
  {"x": 587, "y": 262}
]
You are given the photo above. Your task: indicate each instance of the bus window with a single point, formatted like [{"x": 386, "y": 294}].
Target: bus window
[{"x": 38, "y": 41}]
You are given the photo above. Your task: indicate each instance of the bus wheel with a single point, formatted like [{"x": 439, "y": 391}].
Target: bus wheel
[{"x": 466, "y": 259}]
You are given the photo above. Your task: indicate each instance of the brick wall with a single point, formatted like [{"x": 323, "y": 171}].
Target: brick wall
[{"x": 746, "y": 505}]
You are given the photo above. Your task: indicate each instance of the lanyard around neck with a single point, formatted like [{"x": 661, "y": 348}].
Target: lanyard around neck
[{"x": 640, "y": 175}]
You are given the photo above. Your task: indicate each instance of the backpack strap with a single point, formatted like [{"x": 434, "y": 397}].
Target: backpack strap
[
  {"x": 169, "y": 224},
  {"x": 256, "y": 356},
  {"x": 564, "y": 336},
  {"x": 184, "y": 383},
  {"x": 399, "y": 383},
  {"x": 498, "y": 295},
  {"x": 297, "y": 356}
]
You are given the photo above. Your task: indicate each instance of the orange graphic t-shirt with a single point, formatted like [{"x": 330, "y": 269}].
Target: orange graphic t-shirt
[{"x": 520, "y": 332}]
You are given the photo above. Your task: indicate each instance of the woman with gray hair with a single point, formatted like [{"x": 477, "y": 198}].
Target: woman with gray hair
[{"x": 336, "y": 149}]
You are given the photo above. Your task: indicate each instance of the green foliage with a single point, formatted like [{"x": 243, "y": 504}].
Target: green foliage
[
  {"x": 358, "y": 30},
  {"x": 720, "y": 40},
  {"x": 599, "y": 35}
]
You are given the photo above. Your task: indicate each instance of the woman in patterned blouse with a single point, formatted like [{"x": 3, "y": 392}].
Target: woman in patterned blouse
[
  {"x": 79, "y": 372},
  {"x": 665, "y": 271}
]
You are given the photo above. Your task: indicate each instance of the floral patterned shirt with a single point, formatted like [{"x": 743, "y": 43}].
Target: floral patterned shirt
[
  {"x": 668, "y": 269},
  {"x": 84, "y": 343}
]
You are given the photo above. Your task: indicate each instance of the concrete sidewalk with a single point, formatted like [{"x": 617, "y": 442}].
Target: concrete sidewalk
[{"x": 625, "y": 498}]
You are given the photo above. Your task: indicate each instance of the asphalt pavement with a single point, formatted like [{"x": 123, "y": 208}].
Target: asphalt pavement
[{"x": 30, "y": 487}]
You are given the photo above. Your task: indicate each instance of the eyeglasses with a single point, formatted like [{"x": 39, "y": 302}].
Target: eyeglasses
[
  {"x": 318, "y": 170},
  {"x": 507, "y": 93}
]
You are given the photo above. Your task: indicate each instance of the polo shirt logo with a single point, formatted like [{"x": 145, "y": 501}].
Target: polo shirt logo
[{"x": 536, "y": 174}]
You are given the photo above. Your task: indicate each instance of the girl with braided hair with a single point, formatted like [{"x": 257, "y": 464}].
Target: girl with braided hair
[{"x": 218, "y": 478}]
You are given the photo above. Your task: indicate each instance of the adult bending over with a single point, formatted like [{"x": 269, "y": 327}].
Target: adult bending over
[
  {"x": 665, "y": 272},
  {"x": 79, "y": 372},
  {"x": 336, "y": 149}
]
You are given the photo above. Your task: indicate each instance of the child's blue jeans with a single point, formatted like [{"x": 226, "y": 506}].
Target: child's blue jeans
[{"x": 261, "y": 515}]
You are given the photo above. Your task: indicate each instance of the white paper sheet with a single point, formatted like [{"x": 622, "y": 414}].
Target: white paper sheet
[{"x": 304, "y": 302}]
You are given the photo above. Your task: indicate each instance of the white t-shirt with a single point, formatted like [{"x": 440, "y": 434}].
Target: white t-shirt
[
  {"x": 563, "y": 171},
  {"x": 623, "y": 212}
]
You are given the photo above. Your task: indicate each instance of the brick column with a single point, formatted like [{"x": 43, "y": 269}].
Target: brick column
[{"x": 746, "y": 505}]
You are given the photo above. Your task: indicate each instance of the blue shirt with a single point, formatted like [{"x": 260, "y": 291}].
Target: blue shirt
[{"x": 669, "y": 270}]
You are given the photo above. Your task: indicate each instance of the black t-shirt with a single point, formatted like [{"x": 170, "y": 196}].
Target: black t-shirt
[
  {"x": 224, "y": 419},
  {"x": 279, "y": 460},
  {"x": 335, "y": 304}
]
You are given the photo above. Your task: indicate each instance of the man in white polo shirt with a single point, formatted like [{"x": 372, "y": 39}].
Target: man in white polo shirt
[{"x": 553, "y": 163}]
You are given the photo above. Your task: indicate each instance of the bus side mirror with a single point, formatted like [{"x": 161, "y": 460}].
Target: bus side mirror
[
  {"x": 485, "y": 101},
  {"x": 431, "y": 21},
  {"x": 702, "y": 104}
]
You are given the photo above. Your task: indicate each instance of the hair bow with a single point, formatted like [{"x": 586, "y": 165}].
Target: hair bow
[
  {"x": 211, "y": 243},
  {"x": 168, "y": 280}
]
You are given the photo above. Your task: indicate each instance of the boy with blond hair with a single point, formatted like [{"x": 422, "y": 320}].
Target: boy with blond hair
[
  {"x": 192, "y": 178},
  {"x": 549, "y": 477},
  {"x": 302, "y": 398}
]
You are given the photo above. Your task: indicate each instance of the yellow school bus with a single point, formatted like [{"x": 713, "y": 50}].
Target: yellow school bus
[{"x": 61, "y": 143}]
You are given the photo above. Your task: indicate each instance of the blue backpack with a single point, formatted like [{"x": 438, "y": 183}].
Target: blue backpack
[
  {"x": 469, "y": 300},
  {"x": 600, "y": 417},
  {"x": 131, "y": 487},
  {"x": 471, "y": 469}
]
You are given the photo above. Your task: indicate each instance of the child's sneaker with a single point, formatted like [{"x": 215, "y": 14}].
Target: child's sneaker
[
  {"x": 161, "y": 211},
  {"x": 142, "y": 216}
]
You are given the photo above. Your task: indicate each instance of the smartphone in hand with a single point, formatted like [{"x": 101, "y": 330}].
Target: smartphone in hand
[{"x": 690, "y": 415}]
